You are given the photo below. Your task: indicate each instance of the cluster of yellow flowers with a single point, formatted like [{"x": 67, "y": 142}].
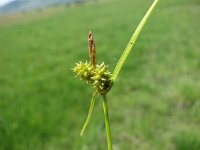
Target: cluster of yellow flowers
[{"x": 98, "y": 77}]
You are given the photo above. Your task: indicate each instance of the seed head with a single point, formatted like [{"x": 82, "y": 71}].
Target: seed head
[
  {"x": 98, "y": 77},
  {"x": 95, "y": 75}
]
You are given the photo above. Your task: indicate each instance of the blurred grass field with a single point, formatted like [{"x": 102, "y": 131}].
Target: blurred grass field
[{"x": 155, "y": 103}]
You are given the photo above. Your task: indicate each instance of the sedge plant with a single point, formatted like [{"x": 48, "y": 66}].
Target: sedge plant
[{"x": 100, "y": 78}]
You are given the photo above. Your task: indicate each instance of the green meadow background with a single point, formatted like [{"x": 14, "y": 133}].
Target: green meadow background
[{"x": 155, "y": 103}]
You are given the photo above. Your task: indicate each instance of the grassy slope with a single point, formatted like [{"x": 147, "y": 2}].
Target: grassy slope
[{"x": 155, "y": 103}]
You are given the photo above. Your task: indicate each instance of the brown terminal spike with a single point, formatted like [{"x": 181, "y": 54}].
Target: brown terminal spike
[{"x": 91, "y": 47}]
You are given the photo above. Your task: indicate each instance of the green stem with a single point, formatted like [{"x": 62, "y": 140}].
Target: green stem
[
  {"x": 89, "y": 114},
  {"x": 132, "y": 41},
  {"x": 107, "y": 123}
]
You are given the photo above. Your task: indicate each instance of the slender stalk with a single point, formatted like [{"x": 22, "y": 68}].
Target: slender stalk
[
  {"x": 89, "y": 114},
  {"x": 107, "y": 122},
  {"x": 132, "y": 41}
]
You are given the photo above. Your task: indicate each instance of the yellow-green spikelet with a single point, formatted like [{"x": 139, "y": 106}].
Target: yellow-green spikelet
[{"x": 98, "y": 77}]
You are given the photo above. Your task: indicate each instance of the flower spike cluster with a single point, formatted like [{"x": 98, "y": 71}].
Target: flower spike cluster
[
  {"x": 95, "y": 75},
  {"x": 98, "y": 77}
]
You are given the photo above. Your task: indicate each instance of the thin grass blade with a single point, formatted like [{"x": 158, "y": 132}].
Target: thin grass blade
[{"x": 89, "y": 114}]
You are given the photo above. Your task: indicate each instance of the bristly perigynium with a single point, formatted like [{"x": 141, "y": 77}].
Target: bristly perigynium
[{"x": 98, "y": 77}]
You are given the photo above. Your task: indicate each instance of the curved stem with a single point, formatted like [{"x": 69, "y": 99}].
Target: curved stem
[
  {"x": 132, "y": 41},
  {"x": 107, "y": 122},
  {"x": 89, "y": 114}
]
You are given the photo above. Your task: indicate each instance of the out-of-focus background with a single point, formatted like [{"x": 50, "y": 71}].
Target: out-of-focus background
[{"x": 155, "y": 103}]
